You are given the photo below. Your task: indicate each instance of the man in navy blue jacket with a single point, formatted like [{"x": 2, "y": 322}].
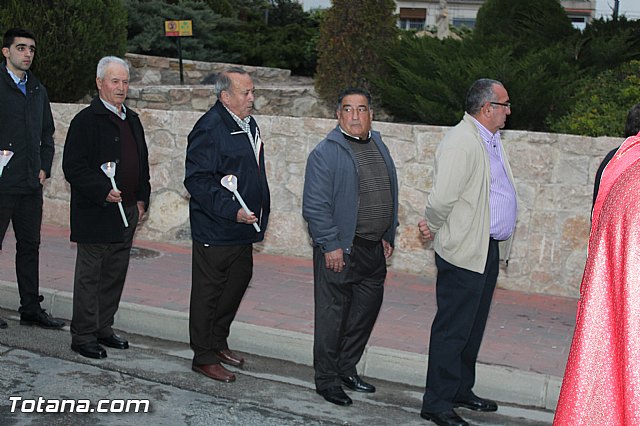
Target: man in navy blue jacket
[
  {"x": 26, "y": 129},
  {"x": 225, "y": 141}
]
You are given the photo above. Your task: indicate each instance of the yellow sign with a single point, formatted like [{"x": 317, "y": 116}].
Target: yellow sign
[{"x": 178, "y": 29}]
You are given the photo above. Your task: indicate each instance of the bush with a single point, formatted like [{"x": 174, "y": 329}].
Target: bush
[
  {"x": 284, "y": 37},
  {"x": 429, "y": 78},
  {"x": 524, "y": 25},
  {"x": 602, "y": 103},
  {"x": 355, "y": 36},
  {"x": 253, "y": 32},
  {"x": 606, "y": 44},
  {"x": 71, "y": 36},
  {"x": 547, "y": 67},
  {"x": 210, "y": 31}
]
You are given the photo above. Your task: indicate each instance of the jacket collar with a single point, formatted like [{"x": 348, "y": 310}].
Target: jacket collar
[
  {"x": 32, "y": 81},
  {"x": 228, "y": 121},
  {"x": 337, "y": 136},
  {"x": 98, "y": 108}
]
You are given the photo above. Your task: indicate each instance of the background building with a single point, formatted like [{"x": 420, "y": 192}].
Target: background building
[{"x": 420, "y": 14}]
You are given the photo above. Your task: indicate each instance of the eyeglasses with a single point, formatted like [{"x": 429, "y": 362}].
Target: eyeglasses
[{"x": 504, "y": 104}]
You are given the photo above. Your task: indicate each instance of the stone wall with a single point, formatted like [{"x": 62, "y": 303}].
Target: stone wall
[
  {"x": 295, "y": 101},
  {"x": 554, "y": 178},
  {"x": 156, "y": 70},
  {"x": 155, "y": 84}
]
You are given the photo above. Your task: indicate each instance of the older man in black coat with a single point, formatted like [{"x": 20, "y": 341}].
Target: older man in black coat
[{"x": 105, "y": 131}]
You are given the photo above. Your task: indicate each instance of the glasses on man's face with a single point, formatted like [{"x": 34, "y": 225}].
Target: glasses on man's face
[{"x": 504, "y": 104}]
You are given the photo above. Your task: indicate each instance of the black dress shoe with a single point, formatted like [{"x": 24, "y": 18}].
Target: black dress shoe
[
  {"x": 90, "y": 350},
  {"x": 357, "y": 384},
  {"x": 114, "y": 341},
  {"x": 335, "y": 395},
  {"x": 476, "y": 403},
  {"x": 41, "y": 319},
  {"x": 444, "y": 418},
  {"x": 3, "y": 323}
]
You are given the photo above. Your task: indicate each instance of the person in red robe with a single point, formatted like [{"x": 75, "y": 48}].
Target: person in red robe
[{"x": 601, "y": 384}]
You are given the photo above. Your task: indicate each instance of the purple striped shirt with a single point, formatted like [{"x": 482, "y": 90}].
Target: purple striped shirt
[{"x": 503, "y": 205}]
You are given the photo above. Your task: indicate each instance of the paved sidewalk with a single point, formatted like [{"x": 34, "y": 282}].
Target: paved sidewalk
[{"x": 522, "y": 358}]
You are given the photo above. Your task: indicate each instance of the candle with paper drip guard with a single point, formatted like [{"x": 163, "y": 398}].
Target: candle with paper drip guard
[
  {"x": 5, "y": 156},
  {"x": 109, "y": 169},
  {"x": 231, "y": 183}
]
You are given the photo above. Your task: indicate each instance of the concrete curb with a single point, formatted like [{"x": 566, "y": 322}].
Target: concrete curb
[{"x": 501, "y": 383}]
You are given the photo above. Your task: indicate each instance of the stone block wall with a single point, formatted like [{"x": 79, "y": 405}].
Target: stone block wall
[
  {"x": 293, "y": 101},
  {"x": 554, "y": 178},
  {"x": 156, "y": 70},
  {"x": 155, "y": 84}
]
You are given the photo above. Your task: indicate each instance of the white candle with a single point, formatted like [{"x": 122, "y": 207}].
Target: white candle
[
  {"x": 109, "y": 169},
  {"x": 231, "y": 183},
  {"x": 5, "y": 156}
]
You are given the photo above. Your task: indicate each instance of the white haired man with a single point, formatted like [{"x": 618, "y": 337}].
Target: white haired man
[{"x": 105, "y": 131}]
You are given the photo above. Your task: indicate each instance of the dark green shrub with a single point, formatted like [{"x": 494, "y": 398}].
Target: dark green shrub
[
  {"x": 428, "y": 80},
  {"x": 524, "y": 25},
  {"x": 210, "y": 31},
  {"x": 252, "y": 32},
  {"x": 355, "y": 36},
  {"x": 283, "y": 37},
  {"x": 602, "y": 103},
  {"x": 606, "y": 44},
  {"x": 71, "y": 36}
]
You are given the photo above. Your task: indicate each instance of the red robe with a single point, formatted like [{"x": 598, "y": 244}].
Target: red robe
[{"x": 601, "y": 384}]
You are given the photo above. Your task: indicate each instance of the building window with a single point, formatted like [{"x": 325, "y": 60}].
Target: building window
[
  {"x": 464, "y": 22},
  {"x": 411, "y": 24},
  {"x": 579, "y": 22},
  {"x": 412, "y": 18}
]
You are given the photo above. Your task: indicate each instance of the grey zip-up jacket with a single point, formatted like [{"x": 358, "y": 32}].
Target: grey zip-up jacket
[{"x": 331, "y": 187}]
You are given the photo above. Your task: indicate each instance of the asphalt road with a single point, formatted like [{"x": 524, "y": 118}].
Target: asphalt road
[{"x": 37, "y": 368}]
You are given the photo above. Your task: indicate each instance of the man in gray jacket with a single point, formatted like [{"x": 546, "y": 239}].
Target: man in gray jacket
[
  {"x": 350, "y": 203},
  {"x": 470, "y": 216}
]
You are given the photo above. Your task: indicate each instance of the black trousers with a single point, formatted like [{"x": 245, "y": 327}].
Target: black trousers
[
  {"x": 220, "y": 277},
  {"x": 346, "y": 308},
  {"x": 25, "y": 213},
  {"x": 100, "y": 273},
  {"x": 464, "y": 299}
]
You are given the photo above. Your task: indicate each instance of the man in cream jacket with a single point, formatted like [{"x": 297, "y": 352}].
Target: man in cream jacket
[{"x": 470, "y": 216}]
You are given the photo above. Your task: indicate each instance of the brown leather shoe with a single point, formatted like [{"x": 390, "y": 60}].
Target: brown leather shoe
[
  {"x": 228, "y": 357},
  {"x": 215, "y": 372}
]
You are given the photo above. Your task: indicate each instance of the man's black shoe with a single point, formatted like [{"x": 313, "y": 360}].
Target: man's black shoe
[
  {"x": 3, "y": 323},
  {"x": 114, "y": 341},
  {"x": 476, "y": 403},
  {"x": 90, "y": 350},
  {"x": 357, "y": 384},
  {"x": 444, "y": 418},
  {"x": 335, "y": 395},
  {"x": 41, "y": 319}
]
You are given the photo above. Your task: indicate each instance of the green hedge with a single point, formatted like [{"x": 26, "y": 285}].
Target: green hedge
[{"x": 602, "y": 103}]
